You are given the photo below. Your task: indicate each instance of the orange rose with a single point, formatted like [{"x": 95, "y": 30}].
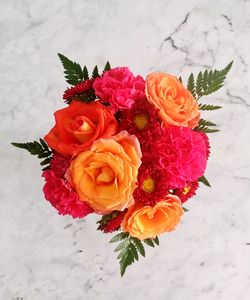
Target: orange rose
[
  {"x": 145, "y": 222},
  {"x": 105, "y": 176},
  {"x": 176, "y": 104},
  {"x": 79, "y": 125}
]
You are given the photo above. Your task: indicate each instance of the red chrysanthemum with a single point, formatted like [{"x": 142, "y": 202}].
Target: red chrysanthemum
[
  {"x": 187, "y": 192},
  {"x": 182, "y": 153},
  {"x": 152, "y": 185},
  {"x": 114, "y": 223},
  {"x": 78, "y": 89},
  {"x": 61, "y": 196},
  {"x": 142, "y": 121},
  {"x": 59, "y": 164}
]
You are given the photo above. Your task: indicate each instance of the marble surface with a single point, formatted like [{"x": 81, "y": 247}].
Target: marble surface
[{"x": 46, "y": 257}]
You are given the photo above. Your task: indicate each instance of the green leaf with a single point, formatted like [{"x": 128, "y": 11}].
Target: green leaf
[
  {"x": 122, "y": 245},
  {"x": 139, "y": 246},
  {"x": 40, "y": 149},
  {"x": 191, "y": 85},
  {"x": 107, "y": 67},
  {"x": 208, "y": 82},
  {"x": 95, "y": 72},
  {"x": 72, "y": 70},
  {"x": 134, "y": 251},
  {"x": 208, "y": 107},
  {"x": 156, "y": 240},
  {"x": 204, "y": 122},
  {"x": 149, "y": 242},
  {"x": 185, "y": 209},
  {"x": 85, "y": 73},
  {"x": 204, "y": 180},
  {"x": 199, "y": 82},
  {"x": 125, "y": 261},
  {"x": 119, "y": 237},
  {"x": 204, "y": 126},
  {"x": 206, "y": 129},
  {"x": 129, "y": 249}
]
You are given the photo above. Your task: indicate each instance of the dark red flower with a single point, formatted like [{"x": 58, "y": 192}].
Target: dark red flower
[
  {"x": 187, "y": 192},
  {"x": 152, "y": 185},
  {"x": 59, "y": 164},
  {"x": 113, "y": 223},
  {"x": 78, "y": 89},
  {"x": 142, "y": 121}
]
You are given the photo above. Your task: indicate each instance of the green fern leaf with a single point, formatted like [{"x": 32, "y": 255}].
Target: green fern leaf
[
  {"x": 72, "y": 70},
  {"x": 85, "y": 73},
  {"x": 40, "y": 149},
  {"x": 198, "y": 86},
  {"x": 95, "y": 72},
  {"x": 149, "y": 242},
  {"x": 119, "y": 237},
  {"x": 208, "y": 107},
  {"x": 130, "y": 248},
  {"x": 134, "y": 251},
  {"x": 139, "y": 246},
  {"x": 204, "y": 180},
  {"x": 156, "y": 241},
  {"x": 122, "y": 245},
  {"x": 191, "y": 85},
  {"x": 107, "y": 67},
  {"x": 125, "y": 261},
  {"x": 204, "y": 122},
  {"x": 217, "y": 80}
]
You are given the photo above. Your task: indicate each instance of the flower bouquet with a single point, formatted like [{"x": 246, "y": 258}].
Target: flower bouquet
[{"x": 128, "y": 149}]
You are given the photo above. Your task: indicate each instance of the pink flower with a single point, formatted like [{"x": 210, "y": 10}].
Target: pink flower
[
  {"x": 120, "y": 88},
  {"x": 182, "y": 153},
  {"x": 61, "y": 196}
]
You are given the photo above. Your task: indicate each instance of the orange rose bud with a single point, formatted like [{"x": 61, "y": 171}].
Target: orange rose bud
[
  {"x": 176, "y": 104},
  {"x": 105, "y": 176},
  {"x": 79, "y": 125},
  {"x": 145, "y": 222}
]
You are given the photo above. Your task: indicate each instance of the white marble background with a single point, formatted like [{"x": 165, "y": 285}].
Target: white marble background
[{"x": 47, "y": 257}]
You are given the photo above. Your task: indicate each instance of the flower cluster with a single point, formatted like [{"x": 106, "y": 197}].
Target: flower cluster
[
  {"x": 130, "y": 155},
  {"x": 129, "y": 149}
]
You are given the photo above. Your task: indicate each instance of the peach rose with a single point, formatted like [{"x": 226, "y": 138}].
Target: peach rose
[
  {"x": 105, "y": 176},
  {"x": 176, "y": 104},
  {"x": 145, "y": 222},
  {"x": 79, "y": 125}
]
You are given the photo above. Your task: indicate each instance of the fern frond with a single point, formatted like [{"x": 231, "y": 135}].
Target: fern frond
[
  {"x": 72, "y": 70},
  {"x": 208, "y": 107},
  {"x": 204, "y": 180},
  {"x": 40, "y": 149}
]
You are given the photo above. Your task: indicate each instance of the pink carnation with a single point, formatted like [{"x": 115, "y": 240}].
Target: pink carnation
[
  {"x": 182, "y": 152},
  {"x": 120, "y": 88},
  {"x": 61, "y": 195}
]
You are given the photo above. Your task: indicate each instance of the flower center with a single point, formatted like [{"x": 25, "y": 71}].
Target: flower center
[
  {"x": 148, "y": 185},
  {"x": 83, "y": 128},
  {"x": 106, "y": 176},
  {"x": 186, "y": 190},
  {"x": 140, "y": 121}
]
